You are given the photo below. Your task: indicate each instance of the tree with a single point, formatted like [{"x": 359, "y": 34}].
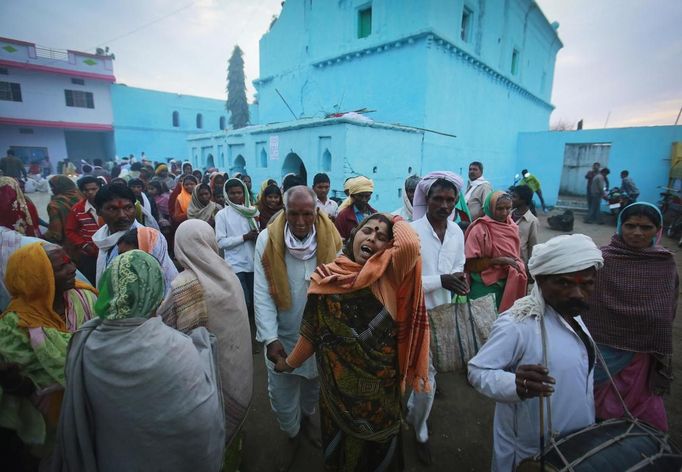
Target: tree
[{"x": 236, "y": 90}]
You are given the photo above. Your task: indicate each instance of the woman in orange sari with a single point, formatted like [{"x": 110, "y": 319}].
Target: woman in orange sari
[
  {"x": 183, "y": 199},
  {"x": 366, "y": 322}
]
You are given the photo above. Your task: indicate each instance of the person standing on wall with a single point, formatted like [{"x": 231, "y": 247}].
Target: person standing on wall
[
  {"x": 477, "y": 190},
  {"x": 534, "y": 184}
]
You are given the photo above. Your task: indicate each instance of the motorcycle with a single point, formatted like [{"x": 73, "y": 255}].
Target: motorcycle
[{"x": 670, "y": 205}]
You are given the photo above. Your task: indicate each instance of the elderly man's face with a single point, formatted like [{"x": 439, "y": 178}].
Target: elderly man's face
[
  {"x": 300, "y": 214},
  {"x": 568, "y": 293}
]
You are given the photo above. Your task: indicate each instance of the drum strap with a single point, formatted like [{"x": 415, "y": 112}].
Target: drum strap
[{"x": 613, "y": 384}]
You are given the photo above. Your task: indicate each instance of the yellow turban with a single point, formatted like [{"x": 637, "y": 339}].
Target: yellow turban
[
  {"x": 355, "y": 185},
  {"x": 360, "y": 184}
]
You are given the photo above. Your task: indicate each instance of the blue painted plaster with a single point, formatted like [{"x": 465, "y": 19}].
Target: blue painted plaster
[
  {"x": 143, "y": 121},
  {"x": 644, "y": 151}
]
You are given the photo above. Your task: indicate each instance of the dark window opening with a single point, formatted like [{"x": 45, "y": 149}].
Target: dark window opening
[
  {"x": 222, "y": 122},
  {"x": 3, "y": 71},
  {"x": 465, "y": 27},
  {"x": 25, "y": 131},
  {"x": 365, "y": 22},
  {"x": 176, "y": 119},
  {"x": 515, "y": 62},
  {"x": 78, "y": 81},
  {"x": 79, "y": 99},
  {"x": 10, "y": 91},
  {"x": 200, "y": 121}
]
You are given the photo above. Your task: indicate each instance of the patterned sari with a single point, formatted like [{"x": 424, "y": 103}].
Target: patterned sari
[
  {"x": 65, "y": 196},
  {"x": 357, "y": 357}
]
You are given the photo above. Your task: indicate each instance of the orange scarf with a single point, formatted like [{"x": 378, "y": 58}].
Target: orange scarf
[
  {"x": 395, "y": 278},
  {"x": 183, "y": 200},
  {"x": 30, "y": 281}
]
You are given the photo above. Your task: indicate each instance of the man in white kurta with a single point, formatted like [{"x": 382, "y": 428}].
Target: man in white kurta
[
  {"x": 293, "y": 396},
  {"x": 511, "y": 369},
  {"x": 442, "y": 249}
]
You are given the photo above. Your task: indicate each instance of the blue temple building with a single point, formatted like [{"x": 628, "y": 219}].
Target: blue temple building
[{"x": 440, "y": 84}]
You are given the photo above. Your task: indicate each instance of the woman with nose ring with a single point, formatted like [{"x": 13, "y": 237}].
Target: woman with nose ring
[
  {"x": 366, "y": 322},
  {"x": 493, "y": 253}
]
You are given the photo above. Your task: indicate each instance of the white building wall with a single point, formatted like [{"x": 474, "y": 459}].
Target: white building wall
[
  {"x": 50, "y": 138},
  {"x": 43, "y": 98}
]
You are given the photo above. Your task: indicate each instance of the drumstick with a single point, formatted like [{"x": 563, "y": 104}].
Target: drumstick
[{"x": 542, "y": 434}]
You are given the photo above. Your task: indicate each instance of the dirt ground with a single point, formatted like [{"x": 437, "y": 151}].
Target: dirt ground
[{"x": 461, "y": 419}]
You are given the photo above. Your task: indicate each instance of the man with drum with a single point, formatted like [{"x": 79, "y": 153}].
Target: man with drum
[
  {"x": 442, "y": 248},
  {"x": 540, "y": 354}
]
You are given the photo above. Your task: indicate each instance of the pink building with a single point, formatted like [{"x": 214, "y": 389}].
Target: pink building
[{"x": 55, "y": 103}]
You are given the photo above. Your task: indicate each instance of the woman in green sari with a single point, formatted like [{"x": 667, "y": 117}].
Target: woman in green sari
[{"x": 47, "y": 305}]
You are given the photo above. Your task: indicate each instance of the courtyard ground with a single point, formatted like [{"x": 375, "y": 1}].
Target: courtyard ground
[{"x": 461, "y": 419}]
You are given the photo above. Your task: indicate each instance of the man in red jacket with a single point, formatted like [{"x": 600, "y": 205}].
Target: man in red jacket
[
  {"x": 356, "y": 207},
  {"x": 81, "y": 224}
]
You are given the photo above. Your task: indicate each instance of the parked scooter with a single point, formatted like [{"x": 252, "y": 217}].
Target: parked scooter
[{"x": 670, "y": 205}]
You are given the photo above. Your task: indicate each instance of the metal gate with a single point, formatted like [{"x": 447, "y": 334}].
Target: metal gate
[{"x": 578, "y": 160}]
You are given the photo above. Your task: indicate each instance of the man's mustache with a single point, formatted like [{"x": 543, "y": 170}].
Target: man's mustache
[{"x": 576, "y": 305}]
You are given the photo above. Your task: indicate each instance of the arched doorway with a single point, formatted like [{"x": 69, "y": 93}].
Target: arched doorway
[
  {"x": 209, "y": 161},
  {"x": 294, "y": 165},
  {"x": 239, "y": 165}
]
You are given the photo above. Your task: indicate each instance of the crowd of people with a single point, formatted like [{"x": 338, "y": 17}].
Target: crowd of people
[{"x": 129, "y": 324}]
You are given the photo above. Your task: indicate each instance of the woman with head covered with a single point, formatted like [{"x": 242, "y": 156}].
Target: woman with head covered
[
  {"x": 208, "y": 293},
  {"x": 631, "y": 318},
  {"x": 494, "y": 255},
  {"x": 153, "y": 393},
  {"x": 47, "y": 304}
]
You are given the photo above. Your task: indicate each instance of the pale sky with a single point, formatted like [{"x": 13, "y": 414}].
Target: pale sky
[{"x": 622, "y": 59}]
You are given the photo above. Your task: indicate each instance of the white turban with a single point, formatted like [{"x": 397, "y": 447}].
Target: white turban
[
  {"x": 564, "y": 254},
  {"x": 424, "y": 185},
  {"x": 560, "y": 255}
]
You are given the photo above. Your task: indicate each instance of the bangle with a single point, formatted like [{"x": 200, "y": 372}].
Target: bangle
[{"x": 289, "y": 366}]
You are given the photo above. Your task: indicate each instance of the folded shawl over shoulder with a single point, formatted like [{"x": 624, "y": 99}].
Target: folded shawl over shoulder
[
  {"x": 208, "y": 293},
  {"x": 635, "y": 298},
  {"x": 395, "y": 278},
  {"x": 274, "y": 265},
  {"x": 140, "y": 396}
]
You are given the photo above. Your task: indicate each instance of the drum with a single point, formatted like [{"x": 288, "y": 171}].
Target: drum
[{"x": 613, "y": 445}]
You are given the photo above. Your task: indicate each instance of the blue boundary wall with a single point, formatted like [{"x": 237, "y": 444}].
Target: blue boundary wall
[
  {"x": 143, "y": 121},
  {"x": 644, "y": 151}
]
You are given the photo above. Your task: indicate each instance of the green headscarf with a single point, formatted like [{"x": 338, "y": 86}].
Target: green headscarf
[
  {"x": 246, "y": 210},
  {"x": 491, "y": 201},
  {"x": 131, "y": 287}
]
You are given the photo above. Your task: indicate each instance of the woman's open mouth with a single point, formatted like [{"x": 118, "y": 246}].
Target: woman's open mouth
[{"x": 366, "y": 251}]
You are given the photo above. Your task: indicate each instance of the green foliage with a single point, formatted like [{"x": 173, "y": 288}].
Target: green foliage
[{"x": 236, "y": 90}]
